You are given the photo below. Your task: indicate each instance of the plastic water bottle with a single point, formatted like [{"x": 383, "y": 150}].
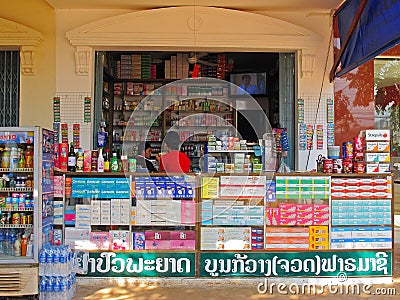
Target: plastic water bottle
[
  {"x": 63, "y": 288},
  {"x": 2, "y": 237},
  {"x": 49, "y": 287},
  {"x": 42, "y": 262},
  {"x": 42, "y": 288},
  {"x": 11, "y": 240},
  {"x": 6, "y": 243},
  {"x": 55, "y": 268},
  {"x": 49, "y": 260}
]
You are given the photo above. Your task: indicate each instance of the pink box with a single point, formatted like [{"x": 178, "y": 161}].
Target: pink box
[
  {"x": 87, "y": 161},
  {"x": 288, "y": 207},
  {"x": 183, "y": 244},
  {"x": 288, "y": 215},
  {"x": 305, "y": 215},
  {"x": 183, "y": 235},
  {"x": 157, "y": 244},
  {"x": 321, "y": 221},
  {"x": 157, "y": 235},
  {"x": 306, "y": 222},
  {"x": 272, "y": 216},
  {"x": 321, "y": 215},
  {"x": 188, "y": 212},
  {"x": 58, "y": 185},
  {"x": 321, "y": 208},
  {"x": 283, "y": 222},
  {"x": 69, "y": 217},
  {"x": 101, "y": 240},
  {"x": 305, "y": 207}
]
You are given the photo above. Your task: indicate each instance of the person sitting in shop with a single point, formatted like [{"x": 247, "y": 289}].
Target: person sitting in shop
[
  {"x": 143, "y": 159},
  {"x": 247, "y": 86},
  {"x": 173, "y": 161}
]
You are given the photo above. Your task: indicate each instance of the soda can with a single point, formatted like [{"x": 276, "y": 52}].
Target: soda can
[
  {"x": 347, "y": 150},
  {"x": 16, "y": 218},
  {"x": 328, "y": 165},
  {"x": 337, "y": 165},
  {"x": 132, "y": 165},
  {"x": 347, "y": 165}
]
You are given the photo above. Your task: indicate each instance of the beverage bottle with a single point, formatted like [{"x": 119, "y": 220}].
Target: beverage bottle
[
  {"x": 114, "y": 163},
  {"x": 14, "y": 158},
  {"x": 56, "y": 262},
  {"x": 79, "y": 160},
  {"x": 21, "y": 161},
  {"x": 29, "y": 157},
  {"x": 107, "y": 161},
  {"x": 71, "y": 167},
  {"x": 2, "y": 236},
  {"x": 5, "y": 160},
  {"x": 11, "y": 240},
  {"x": 24, "y": 245},
  {"x": 29, "y": 247},
  {"x": 119, "y": 160},
  {"x": 17, "y": 246},
  {"x": 100, "y": 161},
  {"x": 42, "y": 288},
  {"x": 6, "y": 243}
]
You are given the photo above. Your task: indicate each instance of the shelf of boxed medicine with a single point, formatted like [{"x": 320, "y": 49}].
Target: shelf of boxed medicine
[
  {"x": 232, "y": 213},
  {"x": 168, "y": 203},
  {"x": 361, "y": 216},
  {"x": 297, "y": 213}
]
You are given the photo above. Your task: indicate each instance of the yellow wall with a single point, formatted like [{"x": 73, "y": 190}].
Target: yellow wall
[{"x": 37, "y": 90}]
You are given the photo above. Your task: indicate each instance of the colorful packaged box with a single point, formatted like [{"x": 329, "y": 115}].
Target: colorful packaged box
[{"x": 138, "y": 240}]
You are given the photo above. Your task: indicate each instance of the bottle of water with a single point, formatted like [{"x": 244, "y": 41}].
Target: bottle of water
[
  {"x": 11, "y": 240},
  {"x": 6, "y": 243},
  {"x": 42, "y": 288},
  {"x": 55, "y": 269},
  {"x": 49, "y": 260},
  {"x": 42, "y": 262},
  {"x": 50, "y": 287},
  {"x": 63, "y": 288},
  {"x": 2, "y": 237}
]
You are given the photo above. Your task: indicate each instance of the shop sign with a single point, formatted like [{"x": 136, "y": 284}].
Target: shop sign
[
  {"x": 141, "y": 264},
  {"x": 296, "y": 264}
]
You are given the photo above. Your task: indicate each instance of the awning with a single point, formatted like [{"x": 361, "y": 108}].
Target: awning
[{"x": 366, "y": 28}]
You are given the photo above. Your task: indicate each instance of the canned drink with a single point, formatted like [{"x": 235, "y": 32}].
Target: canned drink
[
  {"x": 3, "y": 219},
  {"x": 359, "y": 167},
  {"x": 29, "y": 219},
  {"x": 23, "y": 218},
  {"x": 337, "y": 165},
  {"x": 16, "y": 218},
  {"x": 132, "y": 165},
  {"x": 328, "y": 165},
  {"x": 347, "y": 165},
  {"x": 347, "y": 150}
]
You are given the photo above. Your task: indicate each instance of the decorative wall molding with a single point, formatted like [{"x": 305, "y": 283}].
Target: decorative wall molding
[
  {"x": 13, "y": 34},
  {"x": 212, "y": 28},
  {"x": 307, "y": 64},
  {"x": 27, "y": 55},
  {"x": 83, "y": 56}
]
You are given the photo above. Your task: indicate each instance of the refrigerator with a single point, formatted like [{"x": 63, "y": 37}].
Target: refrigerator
[{"x": 26, "y": 206}]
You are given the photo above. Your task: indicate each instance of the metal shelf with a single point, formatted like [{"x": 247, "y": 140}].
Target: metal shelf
[
  {"x": 10, "y": 209},
  {"x": 16, "y": 225},
  {"x": 15, "y": 189},
  {"x": 18, "y": 170}
]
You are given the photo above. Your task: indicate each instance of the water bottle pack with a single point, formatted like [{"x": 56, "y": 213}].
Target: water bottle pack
[
  {"x": 57, "y": 287},
  {"x": 57, "y": 279}
]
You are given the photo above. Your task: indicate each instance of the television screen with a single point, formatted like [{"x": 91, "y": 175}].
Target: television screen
[{"x": 250, "y": 83}]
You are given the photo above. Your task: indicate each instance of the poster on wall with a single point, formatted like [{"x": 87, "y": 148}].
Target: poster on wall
[
  {"x": 302, "y": 136},
  {"x": 320, "y": 137},
  {"x": 310, "y": 137}
]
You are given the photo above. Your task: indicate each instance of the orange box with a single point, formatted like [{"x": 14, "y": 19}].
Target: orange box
[{"x": 286, "y": 240}]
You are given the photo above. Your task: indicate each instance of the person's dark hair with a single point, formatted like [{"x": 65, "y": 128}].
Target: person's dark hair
[
  {"x": 172, "y": 140},
  {"x": 246, "y": 76},
  {"x": 143, "y": 147}
]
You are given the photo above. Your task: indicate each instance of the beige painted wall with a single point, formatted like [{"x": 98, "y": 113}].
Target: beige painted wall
[{"x": 37, "y": 90}]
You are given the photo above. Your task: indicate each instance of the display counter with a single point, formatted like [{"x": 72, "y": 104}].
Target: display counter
[{"x": 276, "y": 225}]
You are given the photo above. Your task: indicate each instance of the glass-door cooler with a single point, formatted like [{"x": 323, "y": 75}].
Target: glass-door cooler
[{"x": 26, "y": 205}]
